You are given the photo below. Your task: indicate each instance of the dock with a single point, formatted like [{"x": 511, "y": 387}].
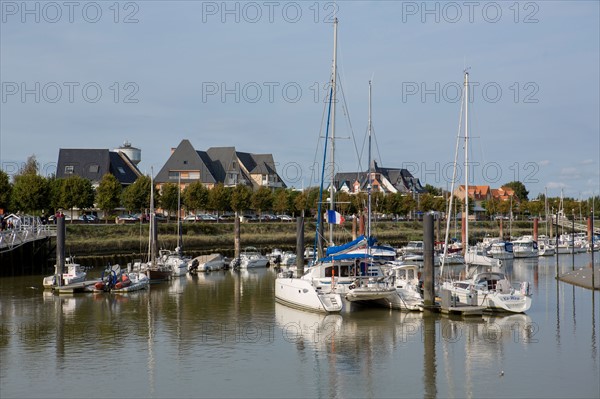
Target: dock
[
  {"x": 75, "y": 287},
  {"x": 451, "y": 306}
]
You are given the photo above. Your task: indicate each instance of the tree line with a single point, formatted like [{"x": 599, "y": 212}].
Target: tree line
[{"x": 31, "y": 193}]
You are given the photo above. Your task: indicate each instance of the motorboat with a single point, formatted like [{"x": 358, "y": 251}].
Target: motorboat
[
  {"x": 492, "y": 290},
  {"x": 525, "y": 247},
  {"x": 206, "y": 263},
  {"x": 501, "y": 250},
  {"x": 74, "y": 273},
  {"x": 252, "y": 258}
]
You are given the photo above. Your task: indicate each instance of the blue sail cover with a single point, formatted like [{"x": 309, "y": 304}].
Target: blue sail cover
[{"x": 350, "y": 246}]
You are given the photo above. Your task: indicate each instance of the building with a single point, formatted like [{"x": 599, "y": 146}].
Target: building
[
  {"x": 479, "y": 194},
  {"x": 386, "y": 180},
  {"x": 93, "y": 164},
  {"x": 219, "y": 165}
]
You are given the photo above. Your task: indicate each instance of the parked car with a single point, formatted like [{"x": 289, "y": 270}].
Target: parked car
[
  {"x": 267, "y": 217},
  {"x": 88, "y": 218},
  {"x": 227, "y": 217},
  {"x": 191, "y": 218},
  {"x": 285, "y": 218},
  {"x": 205, "y": 217},
  {"x": 127, "y": 218}
]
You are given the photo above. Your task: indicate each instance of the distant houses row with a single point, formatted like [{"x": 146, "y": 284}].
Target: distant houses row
[{"x": 216, "y": 165}]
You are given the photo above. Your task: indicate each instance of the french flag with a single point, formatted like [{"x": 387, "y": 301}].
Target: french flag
[{"x": 334, "y": 217}]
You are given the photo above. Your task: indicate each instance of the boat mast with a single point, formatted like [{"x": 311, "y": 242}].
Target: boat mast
[
  {"x": 152, "y": 228},
  {"x": 333, "y": 101},
  {"x": 369, "y": 175},
  {"x": 179, "y": 249},
  {"x": 466, "y": 162}
]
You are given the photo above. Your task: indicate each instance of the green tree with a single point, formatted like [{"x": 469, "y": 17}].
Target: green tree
[
  {"x": 262, "y": 199},
  {"x": 195, "y": 196},
  {"x": 434, "y": 191},
  {"x": 5, "y": 190},
  {"x": 31, "y": 167},
  {"x": 77, "y": 192},
  {"x": 301, "y": 202},
  {"x": 281, "y": 202},
  {"x": 108, "y": 194},
  {"x": 30, "y": 193},
  {"x": 241, "y": 198},
  {"x": 136, "y": 197},
  {"x": 169, "y": 197},
  {"x": 219, "y": 198},
  {"x": 519, "y": 188},
  {"x": 343, "y": 202}
]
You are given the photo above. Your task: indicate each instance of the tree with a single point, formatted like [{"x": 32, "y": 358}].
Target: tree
[
  {"x": 301, "y": 202},
  {"x": 281, "y": 201},
  {"x": 31, "y": 167},
  {"x": 241, "y": 198},
  {"x": 169, "y": 197},
  {"x": 195, "y": 196},
  {"x": 77, "y": 192},
  {"x": 432, "y": 190},
  {"x": 218, "y": 198},
  {"x": 5, "y": 190},
  {"x": 519, "y": 188},
  {"x": 262, "y": 199},
  {"x": 108, "y": 194},
  {"x": 136, "y": 197},
  {"x": 30, "y": 193}
]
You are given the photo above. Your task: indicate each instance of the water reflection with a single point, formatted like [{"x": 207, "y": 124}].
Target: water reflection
[{"x": 214, "y": 334}]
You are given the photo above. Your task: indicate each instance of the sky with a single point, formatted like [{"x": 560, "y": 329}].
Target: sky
[{"x": 254, "y": 75}]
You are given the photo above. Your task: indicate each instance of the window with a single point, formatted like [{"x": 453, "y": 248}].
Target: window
[
  {"x": 94, "y": 168},
  {"x": 185, "y": 162},
  {"x": 121, "y": 170},
  {"x": 69, "y": 169}
]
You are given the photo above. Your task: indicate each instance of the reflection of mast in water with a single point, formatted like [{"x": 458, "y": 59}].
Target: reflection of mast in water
[
  {"x": 594, "y": 348},
  {"x": 151, "y": 359}
]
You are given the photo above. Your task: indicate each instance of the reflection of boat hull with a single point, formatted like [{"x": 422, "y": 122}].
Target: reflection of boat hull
[
  {"x": 158, "y": 273},
  {"x": 301, "y": 294}
]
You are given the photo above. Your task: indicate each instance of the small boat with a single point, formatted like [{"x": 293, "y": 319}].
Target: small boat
[
  {"x": 206, "y": 263},
  {"x": 492, "y": 290},
  {"x": 525, "y": 247},
  {"x": 116, "y": 280},
  {"x": 545, "y": 248},
  {"x": 75, "y": 274},
  {"x": 501, "y": 250},
  {"x": 252, "y": 258}
]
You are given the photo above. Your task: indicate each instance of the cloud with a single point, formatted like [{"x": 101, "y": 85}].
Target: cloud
[
  {"x": 570, "y": 173},
  {"x": 587, "y": 162},
  {"x": 544, "y": 162},
  {"x": 554, "y": 185}
]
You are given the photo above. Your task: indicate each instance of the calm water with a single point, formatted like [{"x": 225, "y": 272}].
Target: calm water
[{"x": 222, "y": 335}]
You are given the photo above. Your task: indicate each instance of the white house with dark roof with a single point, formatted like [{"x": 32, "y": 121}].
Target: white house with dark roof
[
  {"x": 219, "y": 165},
  {"x": 93, "y": 164}
]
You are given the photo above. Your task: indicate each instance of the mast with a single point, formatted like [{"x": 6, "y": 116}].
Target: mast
[
  {"x": 333, "y": 101},
  {"x": 466, "y": 162},
  {"x": 179, "y": 249},
  {"x": 369, "y": 174},
  {"x": 152, "y": 228}
]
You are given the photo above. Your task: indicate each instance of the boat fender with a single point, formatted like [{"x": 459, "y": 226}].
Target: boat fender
[{"x": 525, "y": 288}]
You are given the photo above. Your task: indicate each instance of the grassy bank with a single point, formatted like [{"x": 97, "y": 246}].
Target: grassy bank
[{"x": 111, "y": 239}]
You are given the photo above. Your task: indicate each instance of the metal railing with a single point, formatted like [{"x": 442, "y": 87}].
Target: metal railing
[
  {"x": 15, "y": 237},
  {"x": 567, "y": 223}
]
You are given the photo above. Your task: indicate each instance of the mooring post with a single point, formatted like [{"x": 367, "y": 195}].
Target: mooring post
[
  {"x": 60, "y": 249},
  {"x": 236, "y": 234},
  {"x": 299, "y": 246},
  {"x": 535, "y": 229},
  {"x": 428, "y": 294}
]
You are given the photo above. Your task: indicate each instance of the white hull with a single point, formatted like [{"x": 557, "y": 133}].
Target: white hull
[
  {"x": 473, "y": 258},
  {"x": 300, "y": 293},
  {"x": 207, "y": 263}
]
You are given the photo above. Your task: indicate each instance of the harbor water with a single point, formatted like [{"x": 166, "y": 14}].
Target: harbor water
[{"x": 221, "y": 334}]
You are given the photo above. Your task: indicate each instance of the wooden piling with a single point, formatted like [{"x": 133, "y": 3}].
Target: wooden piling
[
  {"x": 428, "y": 294},
  {"x": 299, "y": 246}
]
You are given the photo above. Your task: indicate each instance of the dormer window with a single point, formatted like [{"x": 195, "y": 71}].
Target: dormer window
[{"x": 69, "y": 169}]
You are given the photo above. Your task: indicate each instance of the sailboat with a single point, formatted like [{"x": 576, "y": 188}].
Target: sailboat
[
  {"x": 492, "y": 288},
  {"x": 175, "y": 259},
  {"x": 340, "y": 277},
  {"x": 154, "y": 269}
]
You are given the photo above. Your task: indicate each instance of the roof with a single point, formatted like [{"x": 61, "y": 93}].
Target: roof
[
  {"x": 186, "y": 158},
  {"x": 93, "y": 164},
  {"x": 217, "y": 164}
]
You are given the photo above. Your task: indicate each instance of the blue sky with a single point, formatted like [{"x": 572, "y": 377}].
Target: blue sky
[{"x": 252, "y": 75}]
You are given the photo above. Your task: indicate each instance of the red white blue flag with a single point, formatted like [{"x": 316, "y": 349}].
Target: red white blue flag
[{"x": 334, "y": 217}]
